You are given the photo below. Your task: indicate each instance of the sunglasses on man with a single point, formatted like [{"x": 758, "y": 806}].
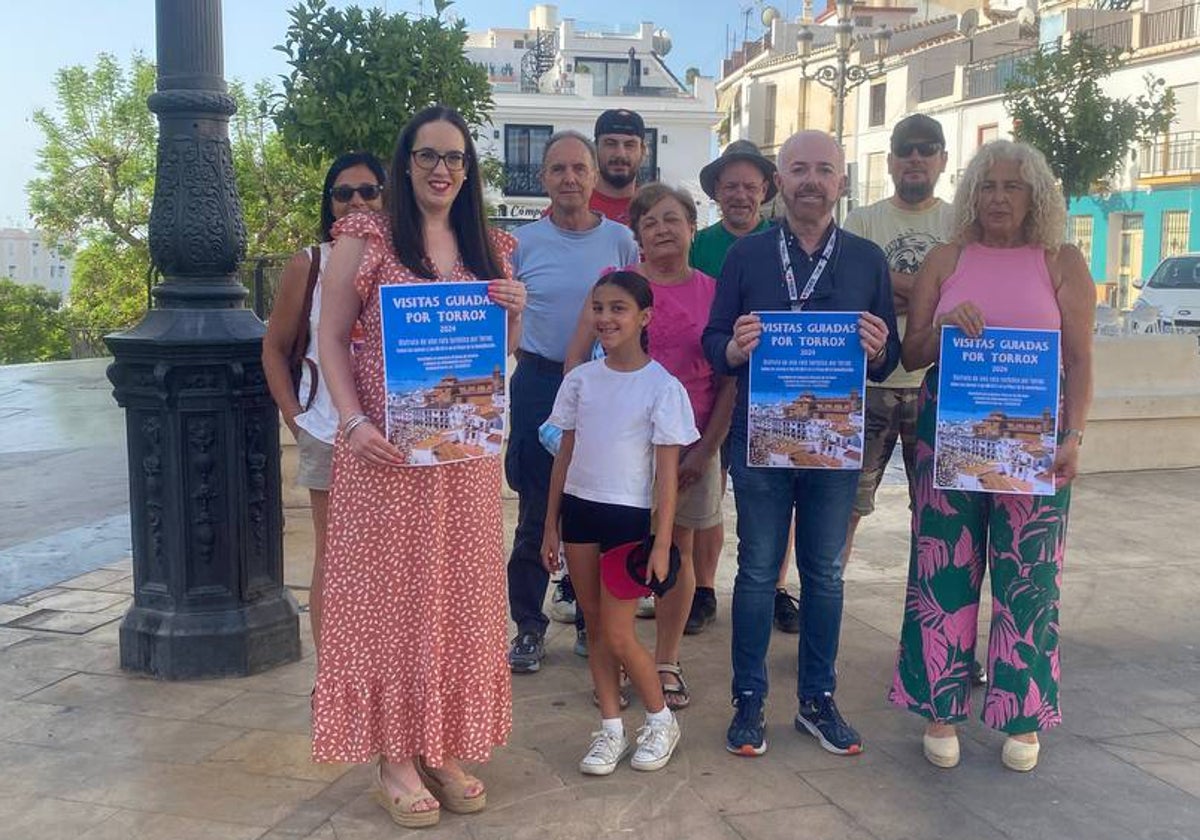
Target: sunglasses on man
[
  {"x": 923, "y": 148},
  {"x": 345, "y": 192}
]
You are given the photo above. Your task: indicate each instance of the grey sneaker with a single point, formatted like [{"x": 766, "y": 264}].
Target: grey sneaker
[
  {"x": 604, "y": 754},
  {"x": 581, "y": 643},
  {"x": 526, "y": 654},
  {"x": 656, "y": 743}
]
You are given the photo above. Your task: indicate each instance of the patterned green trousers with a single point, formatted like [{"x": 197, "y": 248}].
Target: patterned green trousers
[{"x": 954, "y": 533}]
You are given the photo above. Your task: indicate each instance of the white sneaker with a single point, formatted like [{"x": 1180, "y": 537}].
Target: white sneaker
[
  {"x": 645, "y": 607},
  {"x": 562, "y": 601},
  {"x": 656, "y": 743},
  {"x": 604, "y": 754}
]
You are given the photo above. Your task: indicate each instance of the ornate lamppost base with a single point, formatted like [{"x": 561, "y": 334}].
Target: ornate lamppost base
[
  {"x": 229, "y": 643},
  {"x": 205, "y": 499}
]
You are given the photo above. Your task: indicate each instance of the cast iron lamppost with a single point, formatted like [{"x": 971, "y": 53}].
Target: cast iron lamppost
[
  {"x": 842, "y": 77},
  {"x": 201, "y": 429}
]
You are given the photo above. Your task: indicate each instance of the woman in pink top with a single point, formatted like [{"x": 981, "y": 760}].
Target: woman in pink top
[
  {"x": 1006, "y": 266},
  {"x": 664, "y": 222}
]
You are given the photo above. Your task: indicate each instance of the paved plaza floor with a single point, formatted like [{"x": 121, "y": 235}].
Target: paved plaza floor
[{"x": 87, "y": 752}]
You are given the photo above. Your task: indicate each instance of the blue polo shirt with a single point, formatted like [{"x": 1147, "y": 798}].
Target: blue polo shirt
[{"x": 856, "y": 279}]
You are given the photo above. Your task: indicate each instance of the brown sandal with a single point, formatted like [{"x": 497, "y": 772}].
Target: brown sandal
[
  {"x": 401, "y": 808},
  {"x": 452, "y": 793},
  {"x": 675, "y": 696}
]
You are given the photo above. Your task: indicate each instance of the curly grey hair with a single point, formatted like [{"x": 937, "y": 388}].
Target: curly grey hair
[{"x": 1046, "y": 221}]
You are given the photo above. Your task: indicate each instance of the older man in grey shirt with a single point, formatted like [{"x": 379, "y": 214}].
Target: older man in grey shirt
[{"x": 558, "y": 257}]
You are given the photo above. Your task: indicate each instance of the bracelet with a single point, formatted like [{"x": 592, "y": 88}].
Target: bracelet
[
  {"x": 879, "y": 354},
  {"x": 1066, "y": 433},
  {"x": 353, "y": 423}
]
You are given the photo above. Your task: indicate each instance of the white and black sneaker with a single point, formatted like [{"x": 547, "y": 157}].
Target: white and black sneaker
[
  {"x": 562, "y": 601},
  {"x": 604, "y": 754}
]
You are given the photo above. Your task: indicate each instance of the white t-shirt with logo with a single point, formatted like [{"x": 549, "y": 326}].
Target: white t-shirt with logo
[
  {"x": 618, "y": 418},
  {"x": 906, "y": 237}
]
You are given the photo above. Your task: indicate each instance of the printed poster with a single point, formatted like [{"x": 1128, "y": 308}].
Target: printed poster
[
  {"x": 997, "y": 411},
  {"x": 444, "y": 354},
  {"x": 807, "y": 380}
]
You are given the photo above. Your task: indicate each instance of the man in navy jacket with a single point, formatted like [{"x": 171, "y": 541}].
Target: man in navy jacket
[{"x": 840, "y": 272}]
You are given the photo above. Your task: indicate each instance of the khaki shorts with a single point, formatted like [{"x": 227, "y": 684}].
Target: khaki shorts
[
  {"x": 891, "y": 413},
  {"x": 316, "y": 461},
  {"x": 699, "y": 506}
]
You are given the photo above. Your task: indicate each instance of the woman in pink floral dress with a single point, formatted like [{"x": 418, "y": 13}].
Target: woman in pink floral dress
[
  {"x": 1006, "y": 266},
  {"x": 412, "y": 667}
]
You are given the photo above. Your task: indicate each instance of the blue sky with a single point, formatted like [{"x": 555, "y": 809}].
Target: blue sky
[{"x": 50, "y": 34}]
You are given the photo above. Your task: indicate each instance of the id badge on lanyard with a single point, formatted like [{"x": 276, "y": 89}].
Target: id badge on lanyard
[{"x": 785, "y": 260}]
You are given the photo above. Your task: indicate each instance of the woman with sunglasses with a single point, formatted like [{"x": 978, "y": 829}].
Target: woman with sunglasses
[
  {"x": 413, "y": 666},
  {"x": 353, "y": 184}
]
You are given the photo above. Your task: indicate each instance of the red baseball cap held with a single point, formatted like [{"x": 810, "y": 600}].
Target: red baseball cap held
[{"x": 623, "y": 570}]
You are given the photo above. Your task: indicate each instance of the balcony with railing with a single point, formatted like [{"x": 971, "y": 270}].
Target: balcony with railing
[
  {"x": 989, "y": 78},
  {"x": 1170, "y": 25},
  {"x": 936, "y": 87},
  {"x": 1172, "y": 156},
  {"x": 1114, "y": 36},
  {"x": 523, "y": 179}
]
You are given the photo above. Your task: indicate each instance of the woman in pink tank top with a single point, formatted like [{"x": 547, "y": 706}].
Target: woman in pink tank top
[{"x": 1006, "y": 266}]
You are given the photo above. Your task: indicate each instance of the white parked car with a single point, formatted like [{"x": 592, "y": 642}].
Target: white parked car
[{"x": 1170, "y": 299}]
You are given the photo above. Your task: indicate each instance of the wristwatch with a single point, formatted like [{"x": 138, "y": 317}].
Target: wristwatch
[{"x": 1066, "y": 433}]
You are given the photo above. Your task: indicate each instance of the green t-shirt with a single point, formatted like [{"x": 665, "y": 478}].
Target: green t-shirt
[{"x": 710, "y": 246}]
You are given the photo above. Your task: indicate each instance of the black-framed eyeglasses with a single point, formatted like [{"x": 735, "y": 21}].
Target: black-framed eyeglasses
[
  {"x": 428, "y": 159},
  {"x": 345, "y": 192},
  {"x": 924, "y": 149}
]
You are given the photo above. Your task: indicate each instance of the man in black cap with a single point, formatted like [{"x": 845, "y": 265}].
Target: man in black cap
[
  {"x": 621, "y": 148},
  {"x": 741, "y": 180},
  {"x": 906, "y": 225}
]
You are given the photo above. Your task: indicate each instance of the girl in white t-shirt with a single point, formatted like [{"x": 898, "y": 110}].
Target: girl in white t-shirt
[{"x": 624, "y": 419}]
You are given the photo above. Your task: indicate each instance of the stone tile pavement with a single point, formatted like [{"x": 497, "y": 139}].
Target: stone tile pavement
[{"x": 89, "y": 753}]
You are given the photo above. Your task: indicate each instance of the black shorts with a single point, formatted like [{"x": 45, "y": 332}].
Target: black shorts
[{"x": 584, "y": 521}]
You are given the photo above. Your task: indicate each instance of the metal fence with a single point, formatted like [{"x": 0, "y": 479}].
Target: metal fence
[
  {"x": 1114, "y": 36},
  {"x": 988, "y": 78},
  {"x": 260, "y": 276},
  {"x": 1170, "y": 25},
  {"x": 935, "y": 87},
  {"x": 1172, "y": 154}
]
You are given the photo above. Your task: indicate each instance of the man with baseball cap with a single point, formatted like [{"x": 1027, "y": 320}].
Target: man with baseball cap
[
  {"x": 740, "y": 180},
  {"x": 621, "y": 148},
  {"x": 906, "y": 225}
]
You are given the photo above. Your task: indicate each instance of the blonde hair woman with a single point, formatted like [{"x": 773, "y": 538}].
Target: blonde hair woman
[{"x": 1006, "y": 267}]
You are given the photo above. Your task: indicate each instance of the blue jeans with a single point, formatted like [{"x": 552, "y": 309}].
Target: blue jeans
[
  {"x": 766, "y": 497},
  {"x": 527, "y": 467}
]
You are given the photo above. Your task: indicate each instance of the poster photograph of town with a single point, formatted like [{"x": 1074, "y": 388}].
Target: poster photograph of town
[
  {"x": 806, "y": 392},
  {"x": 997, "y": 411},
  {"x": 444, "y": 347}
]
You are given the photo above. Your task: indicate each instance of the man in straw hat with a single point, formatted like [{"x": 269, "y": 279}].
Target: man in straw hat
[{"x": 741, "y": 180}]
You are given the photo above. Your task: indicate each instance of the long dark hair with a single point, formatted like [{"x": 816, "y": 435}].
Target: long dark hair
[
  {"x": 638, "y": 288},
  {"x": 467, "y": 218},
  {"x": 339, "y": 166}
]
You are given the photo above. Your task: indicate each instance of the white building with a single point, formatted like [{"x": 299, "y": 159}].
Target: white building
[
  {"x": 25, "y": 258},
  {"x": 954, "y": 67},
  {"x": 556, "y": 75}
]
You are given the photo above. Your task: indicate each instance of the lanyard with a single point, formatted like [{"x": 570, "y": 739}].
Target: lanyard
[{"x": 789, "y": 276}]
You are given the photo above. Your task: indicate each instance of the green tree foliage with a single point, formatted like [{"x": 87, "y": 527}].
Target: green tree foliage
[
  {"x": 281, "y": 194},
  {"x": 96, "y": 182},
  {"x": 97, "y": 163},
  {"x": 32, "y": 327},
  {"x": 358, "y": 76},
  {"x": 1058, "y": 104}
]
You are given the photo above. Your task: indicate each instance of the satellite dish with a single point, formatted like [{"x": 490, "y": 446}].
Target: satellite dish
[
  {"x": 1026, "y": 18},
  {"x": 968, "y": 22},
  {"x": 662, "y": 42},
  {"x": 769, "y": 15}
]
